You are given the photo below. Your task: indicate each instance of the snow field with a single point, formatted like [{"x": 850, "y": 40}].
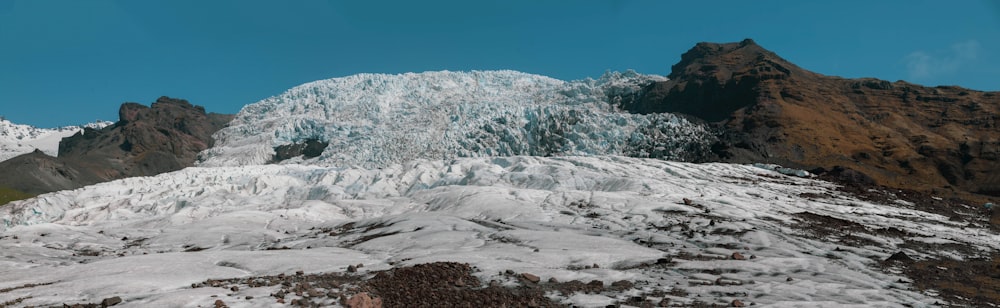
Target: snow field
[{"x": 148, "y": 239}]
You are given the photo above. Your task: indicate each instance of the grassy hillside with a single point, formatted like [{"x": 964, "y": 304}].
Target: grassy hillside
[{"x": 8, "y": 195}]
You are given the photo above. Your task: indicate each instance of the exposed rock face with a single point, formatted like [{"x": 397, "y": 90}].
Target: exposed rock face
[
  {"x": 166, "y": 136},
  {"x": 897, "y": 133},
  {"x": 310, "y": 148}
]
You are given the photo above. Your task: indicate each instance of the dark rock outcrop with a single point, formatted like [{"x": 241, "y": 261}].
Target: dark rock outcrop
[
  {"x": 164, "y": 137},
  {"x": 310, "y": 148},
  {"x": 898, "y": 134}
]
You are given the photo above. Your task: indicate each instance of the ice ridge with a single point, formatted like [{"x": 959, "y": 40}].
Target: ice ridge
[{"x": 376, "y": 120}]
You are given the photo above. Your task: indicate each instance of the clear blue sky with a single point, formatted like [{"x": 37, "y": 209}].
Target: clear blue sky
[{"x": 71, "y": 62}]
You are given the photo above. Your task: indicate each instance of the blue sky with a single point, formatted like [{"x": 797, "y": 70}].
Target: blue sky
[{"x": 70, "y": 62}]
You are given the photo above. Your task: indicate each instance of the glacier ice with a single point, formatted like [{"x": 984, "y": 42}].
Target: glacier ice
[
  {"x": 375, "y": 120},
  {"x": 544, "y": 215}
]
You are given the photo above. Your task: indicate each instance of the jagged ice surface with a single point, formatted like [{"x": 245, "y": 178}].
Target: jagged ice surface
[{"x": 374, "y": 120}]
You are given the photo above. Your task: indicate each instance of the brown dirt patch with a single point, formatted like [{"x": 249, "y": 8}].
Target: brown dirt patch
[{"x": 974, "y": 283}]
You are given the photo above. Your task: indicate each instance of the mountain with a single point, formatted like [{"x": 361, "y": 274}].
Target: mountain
[
  {"x": 497, "y": 188},
  {"x": 145, "y": 141},
  {"x": 18, "y": 139},
  {"x": 939, "y": 139},
  {"x": 376, "y": 120},
  {"x": 587, "y": 231}
]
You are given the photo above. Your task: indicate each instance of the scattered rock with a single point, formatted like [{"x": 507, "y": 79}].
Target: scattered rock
[
  {"x": 553, "y": 280},
  {"x": 737, "y": 303},
  {"x": 530, "y": 277},
  {"x": 665, "y": 302},
  {"x": 352, "y": 269},
  {"x": 363, "y": 300},
  {"x": 687, "y": 201},
  {"x": 737, "y": 256},
  {"x": 220, "y": 304},
  {"x": 111, "y": 301},
  {"x": 789, "y": 279},
  {"x": 622, "y": 285},
  {"x": 899, "y": 256}
]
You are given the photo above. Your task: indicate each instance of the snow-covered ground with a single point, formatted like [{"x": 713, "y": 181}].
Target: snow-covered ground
[
  {"x": 149, "y": 239},
  {"x": 17, "y": 139}
]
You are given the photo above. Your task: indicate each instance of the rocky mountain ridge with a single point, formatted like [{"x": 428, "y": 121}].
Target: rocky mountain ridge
[
  {"x": 18, "y": 139},
  {"x": 940, "y": 139},
  {"x": 145, "y": 141}
]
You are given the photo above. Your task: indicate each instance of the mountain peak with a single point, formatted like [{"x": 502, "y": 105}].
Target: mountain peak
[
  {"x": 723, "y": 61},
  {"x": 901, "y": 134}
]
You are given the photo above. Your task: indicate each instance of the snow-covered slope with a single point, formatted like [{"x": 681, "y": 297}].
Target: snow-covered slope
[
  {"x": 374, "y": 120},
  {"x": 149, "y": 239},
  {"x": 17, "y": 139}
]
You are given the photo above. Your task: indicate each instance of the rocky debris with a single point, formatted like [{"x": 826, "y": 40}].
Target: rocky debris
[
  {"x": 363, "y": 300},
  {"x": 441, "y": 284},
  {"x": 621, "y": 285},
  {"x": 964, "y": 283},
  {"x": 111, "y": 301},
  {"x": 433, "y": 285},
  {"x": 737, "y": 303},
  {"x": 530, "y": 277},
  {"x": 664, "y": 302},
  {"x": 737, "y": 256},
  {"x": 897, "y": 134},
  {"x": 220, "y": 304},
  {"x": 167, "y": 136},
  {"x": 899, "y": 256},
  {"x": 309, "y": 148},
  {"x": 107, "y": 302}
]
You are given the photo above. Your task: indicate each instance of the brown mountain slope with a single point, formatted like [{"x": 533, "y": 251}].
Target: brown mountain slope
[
  {"x": 901, "y": 134},
  {"x": 166, "y": 136}
]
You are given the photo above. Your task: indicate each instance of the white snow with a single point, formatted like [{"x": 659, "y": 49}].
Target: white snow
[
  {"x": 375, "y": 120},
  {"x": 553, "y": 217},
  {"x": 17, "y": 139}
]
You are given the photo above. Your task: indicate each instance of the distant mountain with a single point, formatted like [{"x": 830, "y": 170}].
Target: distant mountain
[
  {"x": 145, "y": 141},
  {"x": 376, "y": 120},
  {"x": 943, "y": 139},
  {"x": 17, "y": 139}
]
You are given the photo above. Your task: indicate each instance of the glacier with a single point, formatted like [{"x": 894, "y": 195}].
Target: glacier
[
  {"x": 503, "y": 170},
  {"x": 375, "y": 120},
  {"x": 551, "y": 216}
]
